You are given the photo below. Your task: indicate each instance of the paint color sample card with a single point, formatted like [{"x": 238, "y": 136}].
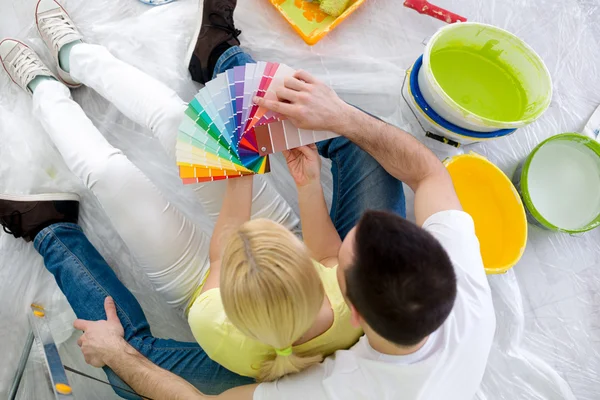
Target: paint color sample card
[
  {"x": 283, "y": 135},
  {"x": 225, "y": 135}
]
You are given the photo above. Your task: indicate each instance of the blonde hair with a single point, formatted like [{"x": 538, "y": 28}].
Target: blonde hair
[{"x": 271, "y": 292}]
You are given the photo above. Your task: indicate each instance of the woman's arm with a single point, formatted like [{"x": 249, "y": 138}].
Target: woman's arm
[
  {"x": 236, "y": 210},
  {"x": 320, "y": 235}
]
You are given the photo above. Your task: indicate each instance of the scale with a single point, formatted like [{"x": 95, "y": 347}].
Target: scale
[
  {"x": 40, "y": 334},
  {"x": 56, "y": 371}
]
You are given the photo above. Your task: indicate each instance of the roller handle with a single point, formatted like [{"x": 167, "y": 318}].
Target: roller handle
[{"x": 425, "y": 7}]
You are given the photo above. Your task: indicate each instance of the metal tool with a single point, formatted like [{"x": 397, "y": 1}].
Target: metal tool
[{"x": 40, "y": 334}]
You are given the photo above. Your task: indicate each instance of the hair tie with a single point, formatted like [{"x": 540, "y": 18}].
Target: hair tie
[{"x": 284, "y": 352}]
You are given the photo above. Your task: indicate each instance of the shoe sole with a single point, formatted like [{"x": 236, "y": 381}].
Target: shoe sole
[
  {"x": 59, "y": 76},
  {"x": 41, "y": 197},
  {"x": 194, "y": 42}
]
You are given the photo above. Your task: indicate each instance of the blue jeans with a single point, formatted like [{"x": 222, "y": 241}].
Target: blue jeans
[
  {"x": 86, "y": 280},
  {"x": 359, "y": 183}
]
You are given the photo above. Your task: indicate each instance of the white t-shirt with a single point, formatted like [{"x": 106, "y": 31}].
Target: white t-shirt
[{"x": 449, "y": 366}]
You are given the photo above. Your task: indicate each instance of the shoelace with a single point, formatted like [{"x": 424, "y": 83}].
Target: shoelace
[
  {"x": 27, "y": 66},
  {"x": 14, "y": 221},
  {"x": 228, "y": 26},
  {"x": 57, "y": 27}
]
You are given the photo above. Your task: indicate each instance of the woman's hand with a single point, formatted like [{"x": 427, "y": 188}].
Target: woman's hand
[{"x": 304, "y": 164}]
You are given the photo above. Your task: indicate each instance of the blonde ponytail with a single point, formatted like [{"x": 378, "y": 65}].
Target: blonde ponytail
[
  {"x": 271, "y": 292},
  {"x": 279, "y": 365}
]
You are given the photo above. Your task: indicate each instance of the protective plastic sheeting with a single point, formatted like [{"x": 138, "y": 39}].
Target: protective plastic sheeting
[{"x": 547, "y": 340}]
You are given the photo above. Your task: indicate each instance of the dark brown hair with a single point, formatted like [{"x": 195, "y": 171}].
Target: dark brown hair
[{"x": 402, "y": 281}]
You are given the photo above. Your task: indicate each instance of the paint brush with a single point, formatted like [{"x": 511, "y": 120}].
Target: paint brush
[{"x": 425, "y": 7}]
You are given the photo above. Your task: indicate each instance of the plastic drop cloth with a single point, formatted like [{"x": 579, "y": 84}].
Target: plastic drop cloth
[{"x": 547, "y": 343}]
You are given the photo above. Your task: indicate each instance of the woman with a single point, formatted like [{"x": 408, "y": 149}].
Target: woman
[
  {"x": 273, "y": 310},
  {"x": 169, "y": 247}
]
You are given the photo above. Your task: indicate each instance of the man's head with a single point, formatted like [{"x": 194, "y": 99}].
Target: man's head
[{"x": 397, "y": 278}]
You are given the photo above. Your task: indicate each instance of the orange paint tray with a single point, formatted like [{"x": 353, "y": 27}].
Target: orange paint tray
[{"x": 308, "y": 20}]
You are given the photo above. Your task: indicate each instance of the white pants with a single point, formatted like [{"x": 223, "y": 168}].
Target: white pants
[{"x": 172, "y": 250}]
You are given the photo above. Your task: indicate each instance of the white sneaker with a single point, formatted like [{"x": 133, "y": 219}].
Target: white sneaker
[
  {"x": 21, "y": 63},
  {"x": 57, "y": 29}
]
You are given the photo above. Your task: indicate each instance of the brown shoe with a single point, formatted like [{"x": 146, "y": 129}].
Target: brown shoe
[
  {"x": 214, "y": 36},
  {"x": 25, "y": 216}
]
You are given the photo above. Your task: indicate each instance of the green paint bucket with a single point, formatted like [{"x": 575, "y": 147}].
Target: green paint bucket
[
  {"x": 483, "y": 78},
  {"x": 560, "y": 183}
]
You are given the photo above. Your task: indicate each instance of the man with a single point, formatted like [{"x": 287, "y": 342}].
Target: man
[{"x": 428, "y": 317}]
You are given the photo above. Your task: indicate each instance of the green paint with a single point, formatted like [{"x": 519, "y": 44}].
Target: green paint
[{"x": 479, "y": 82}]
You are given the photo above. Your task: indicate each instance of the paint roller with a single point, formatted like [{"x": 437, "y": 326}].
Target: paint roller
[
  {"x": 334, "y": 8},
  {"x": 425, "y": 7}
]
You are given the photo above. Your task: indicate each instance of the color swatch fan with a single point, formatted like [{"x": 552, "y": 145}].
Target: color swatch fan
[{"x": 225, "y": 135}]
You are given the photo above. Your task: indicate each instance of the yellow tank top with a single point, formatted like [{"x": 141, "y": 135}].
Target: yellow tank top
[{"x": 225, "y": 344}]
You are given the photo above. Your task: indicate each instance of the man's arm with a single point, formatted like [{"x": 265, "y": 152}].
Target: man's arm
[
  {"x": 103, "y": 344},
  {"x": 406, "y": 159},
  {"x": 310, "y": 104},
  {"x": 149, "y": 380}
]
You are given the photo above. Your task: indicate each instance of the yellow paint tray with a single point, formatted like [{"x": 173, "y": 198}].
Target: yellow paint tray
[{"x": 309, "y": 21}]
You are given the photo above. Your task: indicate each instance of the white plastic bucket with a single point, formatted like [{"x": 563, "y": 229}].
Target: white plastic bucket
[
  {"x": 485, "y": 108},
  {"x": 434, "y": 125}
]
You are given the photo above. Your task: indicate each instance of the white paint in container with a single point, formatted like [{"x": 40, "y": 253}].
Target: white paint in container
[{"x": 564, "y": 184}]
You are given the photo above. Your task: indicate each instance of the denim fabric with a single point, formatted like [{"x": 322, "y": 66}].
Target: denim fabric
[
  {"x": 232, "y": 57},
  {"x": 86, "y": 280},
  {"x": 359, "y": 184}
]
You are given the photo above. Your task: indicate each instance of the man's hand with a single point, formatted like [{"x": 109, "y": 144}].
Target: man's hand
[
  {"x": 101, "y": 338},
  {"x": 308, "y": 103},
  {"x": 102, "y": 344},
  {"x": 304, "y": 164}
]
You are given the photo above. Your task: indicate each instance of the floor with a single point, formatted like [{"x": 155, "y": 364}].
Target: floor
[{"x": 547, "y": 343}]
